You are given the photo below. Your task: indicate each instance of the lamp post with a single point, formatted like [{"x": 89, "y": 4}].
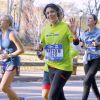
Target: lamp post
[{"x": 80, "y": 21}]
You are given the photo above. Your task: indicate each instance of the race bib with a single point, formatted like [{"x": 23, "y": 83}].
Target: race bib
[{"x": 54, "y": 52}]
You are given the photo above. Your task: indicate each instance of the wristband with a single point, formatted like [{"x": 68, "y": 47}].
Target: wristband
[{"x": 76, "y": 41}]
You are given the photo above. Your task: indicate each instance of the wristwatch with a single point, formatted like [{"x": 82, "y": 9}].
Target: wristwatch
[{"x": 10, "y": 55}]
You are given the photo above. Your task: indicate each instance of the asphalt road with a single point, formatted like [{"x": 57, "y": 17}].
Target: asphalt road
[{"x": 32, "y": 90}]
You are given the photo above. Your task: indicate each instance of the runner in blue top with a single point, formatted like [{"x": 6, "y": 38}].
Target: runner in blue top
[
  {"x": 90, "y": 40},
  {"x": 10, "y": 48}
]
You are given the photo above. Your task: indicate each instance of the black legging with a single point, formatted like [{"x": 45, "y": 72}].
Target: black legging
[
  {"x": 91, "y": 69},
  {"x": 58, "y": 79}
]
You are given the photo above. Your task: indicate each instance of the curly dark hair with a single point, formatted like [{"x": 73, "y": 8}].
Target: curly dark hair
[{"x": 57, "y": 8}]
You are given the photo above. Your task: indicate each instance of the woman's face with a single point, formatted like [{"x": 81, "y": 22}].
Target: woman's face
[
  {"x": 51, "y": 15},
  {"x": 91, "y": 21},
  {"x": 4, "y": 22}
]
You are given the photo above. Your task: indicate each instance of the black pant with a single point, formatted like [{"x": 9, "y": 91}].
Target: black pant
[
  {"x": 58, "y": 79},
  {"x": 91, "y": 69}
]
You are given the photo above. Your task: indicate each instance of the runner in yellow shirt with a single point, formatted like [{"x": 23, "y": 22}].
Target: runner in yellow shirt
[{"x": 56, "y": 38}]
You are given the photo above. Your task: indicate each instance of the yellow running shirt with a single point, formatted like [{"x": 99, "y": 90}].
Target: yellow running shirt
[{"x": 56, "y": 42}]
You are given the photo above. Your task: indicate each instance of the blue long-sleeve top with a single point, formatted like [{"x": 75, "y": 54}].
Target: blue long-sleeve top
[{"x": 88, "y": 38}]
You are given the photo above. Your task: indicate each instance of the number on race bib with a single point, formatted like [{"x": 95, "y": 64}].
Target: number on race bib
[{"x": 54, "y": 52}]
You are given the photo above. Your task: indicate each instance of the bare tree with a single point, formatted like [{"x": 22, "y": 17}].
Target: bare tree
[
  {"x": 31, "y": 20},
  {"x": 19, "y": 14},
  {"x": 10, "y": 6},
  {"x": 94, "y": 6}
]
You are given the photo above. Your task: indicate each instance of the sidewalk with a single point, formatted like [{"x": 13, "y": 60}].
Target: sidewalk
[{"x": 38, "y": 75}]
